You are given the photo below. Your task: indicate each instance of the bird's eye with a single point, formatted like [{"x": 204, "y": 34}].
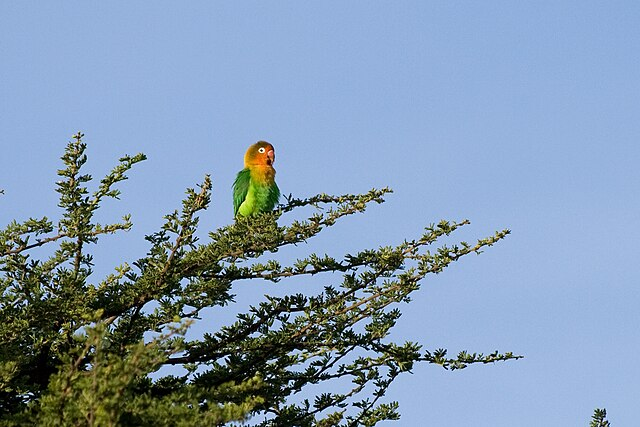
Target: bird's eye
[{"x": 261, "y": 150}]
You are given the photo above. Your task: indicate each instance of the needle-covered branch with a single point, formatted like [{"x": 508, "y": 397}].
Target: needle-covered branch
[
  {"x": 599, "y": 418},
  {"x": 113, "y": 350}
]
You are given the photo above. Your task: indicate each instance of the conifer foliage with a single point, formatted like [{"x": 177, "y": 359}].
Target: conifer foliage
[
  {"x": 599, "y": 418},
  {"x": 79, "y": 350}
]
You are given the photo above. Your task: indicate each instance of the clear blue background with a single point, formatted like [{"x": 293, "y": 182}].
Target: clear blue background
[{"x": 520, "y": 115}]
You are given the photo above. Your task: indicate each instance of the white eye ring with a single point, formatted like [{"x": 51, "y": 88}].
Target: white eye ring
[{"x": 261, "y": 150}]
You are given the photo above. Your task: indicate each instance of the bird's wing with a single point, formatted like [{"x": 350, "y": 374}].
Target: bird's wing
[
  {"x": 240, "y": 189},
  {"x": 274, "y": 195}
]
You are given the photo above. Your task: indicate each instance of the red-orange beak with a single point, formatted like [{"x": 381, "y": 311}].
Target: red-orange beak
[{"x": 271, "y": 155}]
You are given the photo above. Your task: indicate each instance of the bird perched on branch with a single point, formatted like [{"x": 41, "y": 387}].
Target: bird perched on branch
[{"x": 255, "y": 189}]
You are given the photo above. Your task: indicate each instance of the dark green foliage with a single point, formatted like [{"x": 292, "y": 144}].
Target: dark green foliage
[
  {"x": 599, "y": 418},
  {"x": 79, "y": 352}
]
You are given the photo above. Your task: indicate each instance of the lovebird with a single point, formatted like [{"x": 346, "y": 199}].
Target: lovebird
[{"x": 255, "y": 189}]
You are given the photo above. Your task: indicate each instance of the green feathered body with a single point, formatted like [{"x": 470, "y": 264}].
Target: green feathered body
[{"x": 255, "y": 191}]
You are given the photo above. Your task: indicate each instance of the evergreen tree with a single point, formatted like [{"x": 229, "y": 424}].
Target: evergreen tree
[
  {"x": 599, "y": 418},
  {"x": 79, "y": 351}
]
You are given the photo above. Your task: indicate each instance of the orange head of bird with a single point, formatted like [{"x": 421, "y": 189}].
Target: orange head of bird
[{"x": 260, "y": 154}]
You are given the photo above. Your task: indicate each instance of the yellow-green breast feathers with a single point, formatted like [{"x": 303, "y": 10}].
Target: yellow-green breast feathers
[{"x": 255, "y": 189}]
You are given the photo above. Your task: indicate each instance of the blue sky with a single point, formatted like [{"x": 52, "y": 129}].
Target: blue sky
[{"x": 520, "y": 115}]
